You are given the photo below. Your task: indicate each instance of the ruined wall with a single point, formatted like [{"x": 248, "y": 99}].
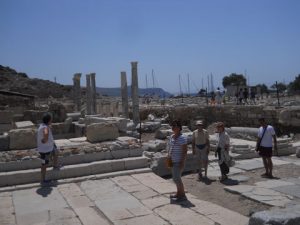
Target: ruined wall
[{"x": 246, "y": 116}]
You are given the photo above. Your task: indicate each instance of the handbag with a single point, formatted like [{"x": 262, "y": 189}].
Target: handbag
[
  {"x": 169, "y": 163},
  {"x": 258, "y": 144}
]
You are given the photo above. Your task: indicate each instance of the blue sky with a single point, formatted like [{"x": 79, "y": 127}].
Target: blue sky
[{"x": 57, "y": 38}]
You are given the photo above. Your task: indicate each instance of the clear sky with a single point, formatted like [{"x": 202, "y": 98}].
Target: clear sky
[{"x": 57, "y": 38}]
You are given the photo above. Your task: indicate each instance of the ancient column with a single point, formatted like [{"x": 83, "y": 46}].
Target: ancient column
[
  {"x": 135, "y": 93},
  {"x": 124, "y": 95},
  {"x": 88, "y": 94},
  {"x": 77, "y": 91},
  {"x": 94, "y": 95}
]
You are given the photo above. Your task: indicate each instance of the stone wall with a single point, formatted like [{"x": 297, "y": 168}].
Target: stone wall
[{"x": 233, "y": 116}]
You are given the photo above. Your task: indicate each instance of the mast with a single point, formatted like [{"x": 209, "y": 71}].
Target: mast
[
  {"x": 180, "y": 88},
  {"x": 212, "y": 83},
  {"x": 146, "y": 81},
  {"x": 188, "y": 76},
  {"x": 152, "y": 73}
]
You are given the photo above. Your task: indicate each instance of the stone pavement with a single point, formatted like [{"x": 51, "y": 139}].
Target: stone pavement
[
  {"x": 129, "y": 199},
  {"x": 276, "y": 192}
]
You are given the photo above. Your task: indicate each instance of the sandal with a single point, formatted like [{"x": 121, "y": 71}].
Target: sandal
[
  {"x": 173, "y": 196},
  {"x": 264, "y": 175}
]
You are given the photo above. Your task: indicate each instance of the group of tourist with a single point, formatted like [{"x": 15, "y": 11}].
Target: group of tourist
[
  {"x": 177, "y": 150},
  {"x": 201, "y": 148}
]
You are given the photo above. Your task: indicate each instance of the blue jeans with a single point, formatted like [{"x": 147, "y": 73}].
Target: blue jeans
[{"x": 176, "y": 173}]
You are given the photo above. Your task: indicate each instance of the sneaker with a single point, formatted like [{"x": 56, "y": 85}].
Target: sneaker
[
  {"x": 181, "y": 198},
  {"x": 46, "y": 183},
  {"x": 58, "y": 167},
  {"x": 172, "y": 196}
]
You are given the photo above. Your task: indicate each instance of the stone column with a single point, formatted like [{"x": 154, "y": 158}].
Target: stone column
[
  {"x": 94, "y": 95},
  {"x": 124, "y": 95},
  {"x": 135, "y": 93},
  {"x": 77, "y": 91},
  {"x": 88, "y": 94}
]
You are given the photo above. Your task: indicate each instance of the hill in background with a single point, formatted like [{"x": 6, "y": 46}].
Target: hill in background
[
  {"x": 116, "y": 92},
  {"x": 11, "y": 80}
]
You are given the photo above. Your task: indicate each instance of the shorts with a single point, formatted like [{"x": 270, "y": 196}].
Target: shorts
[
  {"x": 176, "y": 173},
  {"x": 265, "y": 151},
  {"x": 201, "y": 154},
  {"x": 45, "y": 157}
]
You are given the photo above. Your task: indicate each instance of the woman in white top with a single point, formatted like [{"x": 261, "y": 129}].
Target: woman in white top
[
  {"x": 223, "y": 150},
  {"x": 46, "y": 146}
]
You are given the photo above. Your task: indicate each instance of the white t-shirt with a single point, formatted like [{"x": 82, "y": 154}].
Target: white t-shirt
[
  {"x": 267, "y": 138},
  {"x": 44, "y": 147}
]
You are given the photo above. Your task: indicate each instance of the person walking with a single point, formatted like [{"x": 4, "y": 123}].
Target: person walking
[
  {"x": 178, "y": 152},
  {"x": 46, "y": 147},
  {"x": 218, "y": 96},
  {"x": 264, "y": 146},
  {"x": 201, "y": 147},
  {"x": 223, "y": 143}
]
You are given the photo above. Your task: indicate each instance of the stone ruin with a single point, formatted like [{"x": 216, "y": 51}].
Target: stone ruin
[{"x": 101, "y": 134}]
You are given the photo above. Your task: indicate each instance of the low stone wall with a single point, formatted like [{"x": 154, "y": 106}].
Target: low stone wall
[{"x": 233, "y": 116}]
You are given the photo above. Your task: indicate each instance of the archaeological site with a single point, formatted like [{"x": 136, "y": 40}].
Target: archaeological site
[{"x": 113, "y": 149}]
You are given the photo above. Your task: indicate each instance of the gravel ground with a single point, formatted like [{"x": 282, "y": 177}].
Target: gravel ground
[{"x": 213, "y": 190}]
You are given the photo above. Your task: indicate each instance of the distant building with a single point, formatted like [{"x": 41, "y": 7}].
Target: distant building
[
  {"x": 14, "y": 99},
  {"x": 231, "y": 90}
]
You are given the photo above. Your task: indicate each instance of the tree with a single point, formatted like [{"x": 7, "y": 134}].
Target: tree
[
  {"x": 281, "y": 87},
  {"x": 263, "y": 88},
  {"x": 295, "y": 85},
  {"x": 234, "y": 79}
]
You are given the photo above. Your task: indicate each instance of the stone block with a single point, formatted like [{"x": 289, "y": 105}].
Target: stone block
[
  {"x": 117, "y": 165},
  {"x": 289, "y": 215},
  {"x": 98, "y": 132},
  {"x": 101, "y": 167},
  {"x": 34, "y": 116},
  {"x": 120, "y": 154},
  {"x": 4, "y": 142},
  {"x": 80, "y": 129},
  {"x": 74, "y": 116},
  {"x": 6, "y": 116},
  {"x": 298, "y": 152},
  {"x": 136, "y": 163},
  {"x": 24, "y": 124},
  {"x": 5, "y": 127},
  {"x": 22, "y": 138}
]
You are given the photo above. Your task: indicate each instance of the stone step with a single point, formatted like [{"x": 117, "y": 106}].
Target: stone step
[
  {"x": 71, "y": 171},
  {"x": 72, "y": 159}
]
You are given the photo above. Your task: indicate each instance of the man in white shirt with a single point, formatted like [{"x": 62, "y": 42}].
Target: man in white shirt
[
  {"x": 201, "y": 146},
  {"x": 264, "y": 146}
]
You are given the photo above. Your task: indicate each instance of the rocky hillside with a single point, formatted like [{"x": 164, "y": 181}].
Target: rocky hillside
[{"x": 11, "y": 80}]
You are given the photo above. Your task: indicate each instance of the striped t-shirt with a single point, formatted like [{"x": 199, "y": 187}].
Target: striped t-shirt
[{"x": 176, "y": 147}]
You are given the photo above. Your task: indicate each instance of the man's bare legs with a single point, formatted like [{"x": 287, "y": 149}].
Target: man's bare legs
[
  {"x": 268, "y": 164},
  {"x": 43, "y": 172}
]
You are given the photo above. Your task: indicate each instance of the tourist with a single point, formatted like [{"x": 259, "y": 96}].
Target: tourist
[
  {"x": 200, "y": 146},
  {"x": 178, "y": 152},
  {"x": 252, "y": 96},
  {"x": 245, "y": 95},
  {"x": 218, "y": 96},
  {"x": 46, "y": 147},
  {"x": 264, "y": 146},
  {"x": 222, "y": 152}
]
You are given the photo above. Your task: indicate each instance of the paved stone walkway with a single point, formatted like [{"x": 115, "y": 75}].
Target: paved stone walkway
[{"x": 132, "y": 199}]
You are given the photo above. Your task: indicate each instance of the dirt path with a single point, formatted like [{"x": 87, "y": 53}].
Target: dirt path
[{"x": 213, "y": 191}]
